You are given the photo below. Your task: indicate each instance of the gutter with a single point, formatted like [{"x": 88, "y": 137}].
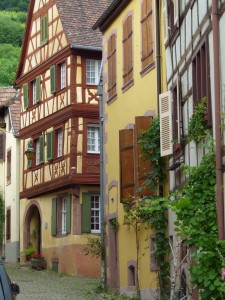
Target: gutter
[
  {"x": 158, "y": 56},
  {"x": 89, "y": 48},
  {"x": 219, "y": 174}
]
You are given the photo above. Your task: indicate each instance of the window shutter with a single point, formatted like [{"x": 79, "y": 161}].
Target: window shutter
[
  {"x": 68, "y": 214},
  {"x": 38, "y": 88},
  {"x": 86, "y": 213},
  {"x": 46, "y": 27},
  {"x": 178, "y": 111},
  {"x": 41, "y": 140},
  {"x": 130, "y": 48},
  {"x": 165, "y": 20},
  {"x": 54, "y": 217},
  {"x": 112, "y": 66},
  {"x": 176, "y": 13},
  {"x": 127, "y": 183},
  {"x": 147, "y": 32},
  {"x": 2, "y": 146},
  {"x": 50, "y": 145},
  {"x": 143, "y": 166},
  {"x": 53, "y": 79},
  {"x": 166, "y": 136},
  {"x": 25, "y": 95}
]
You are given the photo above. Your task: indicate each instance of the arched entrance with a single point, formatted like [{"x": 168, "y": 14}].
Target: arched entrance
[{"x": 32, "y": 228}]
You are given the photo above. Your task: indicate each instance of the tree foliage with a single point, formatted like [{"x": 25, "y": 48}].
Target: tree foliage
[{"x": 14, "y": 5}]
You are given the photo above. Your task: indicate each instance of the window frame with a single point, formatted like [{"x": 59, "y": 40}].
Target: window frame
[
  {"x": 95, "y": 213},
  {"x": 96, "y": 139},
  {"x": 96, "y": 64}
]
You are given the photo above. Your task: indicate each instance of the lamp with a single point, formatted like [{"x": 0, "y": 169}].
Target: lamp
[{"x": 30, "y": 152}]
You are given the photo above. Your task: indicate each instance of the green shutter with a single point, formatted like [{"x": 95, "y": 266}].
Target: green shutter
[
  {"x": 49, "y": 145},
  {"x": 38, "y": 88},
  {"x": 53, "y": 79},
  {"x": 25, "y": 95},
  {"x": 41, "y": 141},
  {"x": 86, "y": 212},
  {"x": 68, "y": 214},
  {"x": 44, "y": 29},
  {"x": 54, "y": 216},
  {"x": 29, "y": 163}
]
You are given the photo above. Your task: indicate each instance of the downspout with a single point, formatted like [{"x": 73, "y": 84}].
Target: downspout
[
  {"x": 219, "y": 174},
  {"x": 102, "y": 207},
  {"x": 158, "y": 56}
]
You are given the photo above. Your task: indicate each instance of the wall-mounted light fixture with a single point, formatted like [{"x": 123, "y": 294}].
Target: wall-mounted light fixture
[{"x": 30, "y": 152}]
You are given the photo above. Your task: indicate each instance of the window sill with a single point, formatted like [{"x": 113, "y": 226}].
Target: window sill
[
  {"x": 128, "y": 85},
  {"x": 111, "y": 99},
  {"x": 147, "y": 69}
]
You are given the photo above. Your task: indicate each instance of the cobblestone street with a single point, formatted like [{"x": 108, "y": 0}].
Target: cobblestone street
[{"x": 47, "y": 285}]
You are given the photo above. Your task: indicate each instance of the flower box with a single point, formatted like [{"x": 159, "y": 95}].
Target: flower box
[{"x": 38, "y": 263}]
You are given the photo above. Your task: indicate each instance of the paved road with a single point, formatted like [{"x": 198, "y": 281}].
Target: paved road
[{"x": 46, "y": 285}]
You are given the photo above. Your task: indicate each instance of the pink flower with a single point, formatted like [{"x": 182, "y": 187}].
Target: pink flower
[
  {"x": 37, "y": 255},
  {"x": 223, "y": 273}
]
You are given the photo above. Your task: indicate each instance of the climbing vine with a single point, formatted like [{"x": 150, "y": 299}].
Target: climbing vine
[
  {"x": 196, "y": 222},
  {"x": 196, "y": 125},
  {"x": 2, "y": 218}
]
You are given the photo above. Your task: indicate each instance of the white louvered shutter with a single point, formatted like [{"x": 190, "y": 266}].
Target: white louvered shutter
[
  {"x": 165, "y": 20},
  {"x": 166, "y": 136}
]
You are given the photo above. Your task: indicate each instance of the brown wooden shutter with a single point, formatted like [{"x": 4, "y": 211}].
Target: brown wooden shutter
[
  {"x": 86, "y": 213},
  {"x": 112, "y": 66},
  {"x": 127, "y": 50},
  {"x": 2, "y": 146},
  {"x": 127, "y": 181},
  {"x": 143, "y": 166},
  {"x": 147, "y": 33}
]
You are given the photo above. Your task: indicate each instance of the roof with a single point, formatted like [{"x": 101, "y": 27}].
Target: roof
[
  {"x": 82, "y": 16},
  {"x": 9, "y": 99},
  {"x": 109, "y": 15},
  {"x": 77, "y": 17}
]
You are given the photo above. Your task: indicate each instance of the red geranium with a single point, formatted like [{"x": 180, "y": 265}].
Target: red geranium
[{"x": 37, "y": 255}]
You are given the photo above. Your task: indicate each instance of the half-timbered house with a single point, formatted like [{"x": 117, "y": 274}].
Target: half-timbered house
[
  {"x": 57, "y": 77},
  {"x": 194, "y": 41}
]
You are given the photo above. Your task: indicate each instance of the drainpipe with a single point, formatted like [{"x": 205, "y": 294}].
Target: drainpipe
[
  {"x": 103, "y": 254},
  {"x": 219, "y": 174},
  {"x": 158, "y": 56}
]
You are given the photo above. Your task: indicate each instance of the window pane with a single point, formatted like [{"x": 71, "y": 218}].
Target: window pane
[
  {"x": 92, "y": 71},
  {"x": 37, "y": 152},
  {"x": 93, "y": 139},
  {"x": 64, "y": 216},
  {"x": 63, "y": 75},
  {"x": 34, "y": 88},
  {"x": 95, "y": 213},
  {"x": 59, "y": 143}
]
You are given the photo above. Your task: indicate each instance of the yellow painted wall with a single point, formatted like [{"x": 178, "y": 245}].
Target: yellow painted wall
[{"x": 138, "y": 100}]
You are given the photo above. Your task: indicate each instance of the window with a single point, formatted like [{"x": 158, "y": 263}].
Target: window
[
  {"x": 112, "y": 66},
  {"x": 55, "y": 144},
  {"x": 93, "y": 139},
  {"x": 91, "y": 217},
  {"x": 8, "y": 175},
  {"x": 170, "y": 10},
  {"x": 131, "y": 158},
  {"x": 39, "y": 150},
  {"x": 201, "y": 80},
  {"x": 63, "y": 75},
  {"x": 58, "y": 77},
  {"x": 8, "y": 224},
  {"x": 34, "y": 92},
  {"x": 95, "y": 213},
  {"x": 147, "y": 33},
  {"x": 44, "y": 30},
  {"x": 92, "y": 71},
  {"x": 127, "y": 51},
  {"x": 59, "y": 142},
  {"x": 64, "y": 216},
  {"x": 61, "y": 215}
]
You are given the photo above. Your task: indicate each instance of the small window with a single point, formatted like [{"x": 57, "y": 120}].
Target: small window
[
  {"x": 63, "y": 75},
  {"x": 64, "y": 216},
  {"x": 92, "y": 71},
  {"x": 39, "y": 150},
  {"x": 44, "y": 29},
  {"x": 93, "y": 139},
  {"x": 95, "y": 214},
  {"x": 34, "y": 91},
  {"x": 59, "y": 142}
]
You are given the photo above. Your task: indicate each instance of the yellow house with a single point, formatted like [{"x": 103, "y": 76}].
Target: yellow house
[
  {"x": 57, "y": 76},
  {"x": 133, "y": 77}
]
